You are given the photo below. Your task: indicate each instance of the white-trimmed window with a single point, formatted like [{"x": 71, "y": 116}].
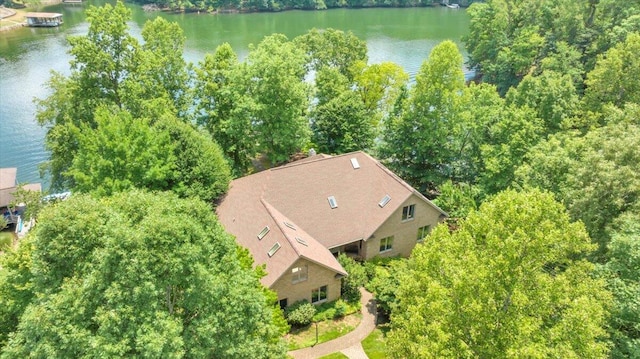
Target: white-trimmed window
[
  {"x": 423, "y": 232},
  {"x": 319, "y": 295},
  {"x": 408, "y": 212},
  {"x": 299, "y": 274},
  {"x": 386, "y": 244}
]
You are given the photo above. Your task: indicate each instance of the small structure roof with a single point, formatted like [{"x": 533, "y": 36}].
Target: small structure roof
[
  {"x": 43, "y": 15},
  {"x": 8, "y": 185}
]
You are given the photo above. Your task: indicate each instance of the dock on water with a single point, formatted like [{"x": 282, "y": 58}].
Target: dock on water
[{"x": 43, "y": 19}]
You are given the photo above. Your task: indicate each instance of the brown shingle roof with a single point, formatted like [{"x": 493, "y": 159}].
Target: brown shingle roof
[{"x": 298, "y": 194}]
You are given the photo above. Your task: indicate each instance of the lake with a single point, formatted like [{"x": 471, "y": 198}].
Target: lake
[{"x": 28, "y": 55}]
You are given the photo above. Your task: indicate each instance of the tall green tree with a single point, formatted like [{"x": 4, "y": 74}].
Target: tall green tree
[
  {"x": 416, "y": 143},
  {"x": 276, "y": 70},
  {"x": 512, "y": 281},
  {"x": 140, "y": 274},
  {"x": 110, "y": 68},
  {"x": 225, "y": 110}
]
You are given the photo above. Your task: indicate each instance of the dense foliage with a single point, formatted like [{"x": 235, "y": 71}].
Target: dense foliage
[
  {"x": 136, "y": 274},
  {"x": 512, "y": 281},
  {"x": 300, "y": 313},
  {"x": 351, "y": 284}
]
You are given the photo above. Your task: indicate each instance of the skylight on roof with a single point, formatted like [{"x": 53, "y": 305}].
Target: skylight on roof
[
  {"x": 354, "y": 163},
  {"x": 332, "y": 202},
  {"x": 383, "y": 202},
  {"x": 302, "y": 241},
  {"x": 274, "y": 249},
  {"x": 289, "y": 225},
  {"x": 264, "y": 232}
]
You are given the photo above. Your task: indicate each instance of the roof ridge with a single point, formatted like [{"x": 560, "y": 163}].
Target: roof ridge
[
  {"x": 269, "y": 207},
  {"x": 294, "y": 164}
]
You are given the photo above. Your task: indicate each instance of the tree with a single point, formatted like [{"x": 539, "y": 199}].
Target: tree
[
  {"x": 121, "y": 153},
  {"x": 416, "y": 143},
  {"x": 609, "y": 83},
  {"x": 523, "y": 289},
  {"x": 333, "y": 48},
  {"x": 621, "y": 272},
  {"x": 15, "y": 287},
  {"x": 225, "y": 110},
  {"x": 109, "y": 68},
  {"x": 342, "y": 125},
  {"x": 356, "y": 278},
  {"x": 380, "y": 86},
  {"x": 201, "y": 170},
  {"x": 276, "y": 71},
  {"x": 551, "y": 95},
  {"x": 595, "y": 175},
  {"x": 141, "y": 274}
]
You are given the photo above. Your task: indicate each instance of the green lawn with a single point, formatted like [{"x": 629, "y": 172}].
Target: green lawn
[
  {"x": 327, "y": 330},
  {"x": 337, "y": 355},
  {"x": 375, "y": 345}
]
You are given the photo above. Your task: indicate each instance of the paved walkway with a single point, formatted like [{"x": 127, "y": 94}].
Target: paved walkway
[{"x": 348, "y": 344}]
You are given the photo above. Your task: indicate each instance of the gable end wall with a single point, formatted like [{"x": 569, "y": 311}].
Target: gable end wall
[
  {"x": 317, "y": 276},
  {"x": 405, "y": 233}
]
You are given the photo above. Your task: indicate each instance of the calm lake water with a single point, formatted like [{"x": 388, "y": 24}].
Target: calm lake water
[{"x": 28, "y": 55}]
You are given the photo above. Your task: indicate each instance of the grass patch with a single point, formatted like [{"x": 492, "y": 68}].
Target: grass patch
[
  {"x": 327, "y": 330},
  {"x": 375, "y": 345},
  {"x": 18, "y": 18},
  {"x": 337, "y": 355}
]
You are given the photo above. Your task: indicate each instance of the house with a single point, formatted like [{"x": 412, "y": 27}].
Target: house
[{"x": 295, "y": 219}]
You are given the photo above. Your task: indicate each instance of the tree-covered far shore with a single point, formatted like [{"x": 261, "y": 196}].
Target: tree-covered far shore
[
  {"x": 281, "y": 5},
  {"x": 264, "y": 5}
]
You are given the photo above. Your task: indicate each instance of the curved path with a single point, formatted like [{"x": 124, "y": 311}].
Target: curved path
[{"x": 348, "y": 344}]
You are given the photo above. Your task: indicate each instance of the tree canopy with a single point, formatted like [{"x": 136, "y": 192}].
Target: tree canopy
[
  {"x": 135, "y": 274},
  {"x": 511, "y": 281}
]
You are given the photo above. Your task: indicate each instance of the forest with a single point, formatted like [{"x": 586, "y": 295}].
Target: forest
[{"x": 537, "y": 162}]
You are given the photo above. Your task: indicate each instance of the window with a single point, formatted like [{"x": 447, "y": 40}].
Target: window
[
  {"x": 383, "y": 202},
  {"x": 422, "y": 232},
  {"x": 274, "y": 249},
  {"x": 319, "y": 295},
  {"x": 302, "y": 241},
  {"x": 354, "y": 163},
  {"x": 408, "y": 212},
  {"x": 332, "y": 202},
  {"x": 283, "y": 303},
  {"x": 386, "y": 244},
  {"x": 298, "y": 274},
  {"x": 263, "y": 233}
]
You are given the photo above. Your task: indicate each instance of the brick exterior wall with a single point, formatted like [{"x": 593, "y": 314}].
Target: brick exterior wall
[
  {"x": 405, "y": 232},
  {"x": 317, "y": 276}
]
